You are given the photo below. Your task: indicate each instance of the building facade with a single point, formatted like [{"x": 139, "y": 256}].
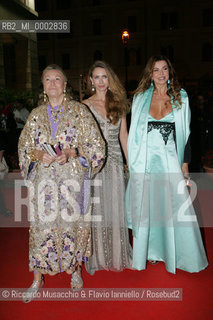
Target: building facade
[
  {"x": 180, "y": 29},
  {"x": 18, "y": 51}
]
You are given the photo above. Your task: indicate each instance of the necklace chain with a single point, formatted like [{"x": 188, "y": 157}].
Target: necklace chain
[{"x": 55, "y": 114}]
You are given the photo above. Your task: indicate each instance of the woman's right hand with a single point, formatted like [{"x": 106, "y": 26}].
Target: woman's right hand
[{"x": 44, "y": 157}]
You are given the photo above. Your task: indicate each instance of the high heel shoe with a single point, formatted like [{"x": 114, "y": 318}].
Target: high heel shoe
[
  {"x": 153, "y": 262},
  {"x": 76, "y": 281},
  {"x": 88, "y": 269},
  {"x": 30, "y": 294}
]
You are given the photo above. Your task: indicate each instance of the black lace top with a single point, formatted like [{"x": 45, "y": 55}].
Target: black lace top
[{"x": 165, "y": 128}]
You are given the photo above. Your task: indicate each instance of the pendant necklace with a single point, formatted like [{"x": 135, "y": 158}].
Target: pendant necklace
[{"x": 55, "y": 113}]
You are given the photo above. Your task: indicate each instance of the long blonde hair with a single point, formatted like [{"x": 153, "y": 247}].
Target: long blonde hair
[
  {"x": 116, "y": 102},
  {"x": 173, "y": 87}
]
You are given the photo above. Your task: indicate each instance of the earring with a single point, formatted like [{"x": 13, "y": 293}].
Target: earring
[
  {"x": 108, "y": 88},
  {"x": 168, "y": 84},
  {"x": 152, "y": 84},
  {"x": 93, "y": 87},
  {"x": 44, "y": 97},
  {"x": 65, "y": 94}
]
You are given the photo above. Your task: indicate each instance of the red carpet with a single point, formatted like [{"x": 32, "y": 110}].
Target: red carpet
[
  {"x": 197, "y": 288},
  {"x": 196, "y": 304}
]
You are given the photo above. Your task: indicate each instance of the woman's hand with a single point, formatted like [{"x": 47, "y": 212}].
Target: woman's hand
[
  {"x": 62, "y": 159},
  {"x": 185, "y": 170},
  {"x": 44, "y": 157},
  {"x": 66, "y": 154}
]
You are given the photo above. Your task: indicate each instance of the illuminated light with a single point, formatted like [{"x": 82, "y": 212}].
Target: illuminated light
[{"x": 125, "y": 36}]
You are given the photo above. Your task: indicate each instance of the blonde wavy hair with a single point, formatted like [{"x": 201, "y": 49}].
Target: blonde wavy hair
[
  {"x": 116, "y": 102},
  {"x": 42, "y": 96},
  {"x": 173, "y": 87}
]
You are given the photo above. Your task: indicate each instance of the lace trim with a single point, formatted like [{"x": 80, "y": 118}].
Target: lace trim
[{"x": 165, "y": 128}]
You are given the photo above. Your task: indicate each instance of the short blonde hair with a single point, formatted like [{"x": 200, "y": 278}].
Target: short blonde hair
[{"x": 53, "y": 67}]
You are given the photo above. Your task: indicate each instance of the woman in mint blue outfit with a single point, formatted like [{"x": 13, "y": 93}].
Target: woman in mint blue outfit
[{"x": 158, "y": 206}]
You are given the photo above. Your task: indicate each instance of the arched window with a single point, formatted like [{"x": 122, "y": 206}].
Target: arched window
[{"x": 207, "y": 52}]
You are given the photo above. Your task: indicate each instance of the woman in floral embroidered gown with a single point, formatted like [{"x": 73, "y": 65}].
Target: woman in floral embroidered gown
[
  {"x": 60, "y": 232},
  {"x": 110, "y": 241}
]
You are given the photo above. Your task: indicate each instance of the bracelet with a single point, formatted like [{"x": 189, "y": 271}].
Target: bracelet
[
  {"x": 33, "y": 156},
  {"x": 76, "y": 152}
]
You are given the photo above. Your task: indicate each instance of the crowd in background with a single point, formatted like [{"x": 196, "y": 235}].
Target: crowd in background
[
  {"x": 12, "y": 120},
  {"x": 201, "y": 127},
  {"x": 14, "y": 115}
]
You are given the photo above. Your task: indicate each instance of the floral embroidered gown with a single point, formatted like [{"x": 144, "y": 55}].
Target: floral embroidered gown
[
  {"x": 110, "y": 241},
  {"x": 60, "y": 226}
]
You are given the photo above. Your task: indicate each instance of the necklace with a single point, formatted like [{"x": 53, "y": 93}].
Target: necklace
[{"x": 55, "y": 113}]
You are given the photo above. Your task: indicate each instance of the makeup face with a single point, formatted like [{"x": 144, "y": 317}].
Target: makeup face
[
  {"x": 100, "y": 79},
  {"x": 54, "y": 83},
  {"x": 160, "y": 73}
]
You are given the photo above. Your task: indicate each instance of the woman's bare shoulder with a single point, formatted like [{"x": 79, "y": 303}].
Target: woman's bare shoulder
[{"x": 88, "y": 102}]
